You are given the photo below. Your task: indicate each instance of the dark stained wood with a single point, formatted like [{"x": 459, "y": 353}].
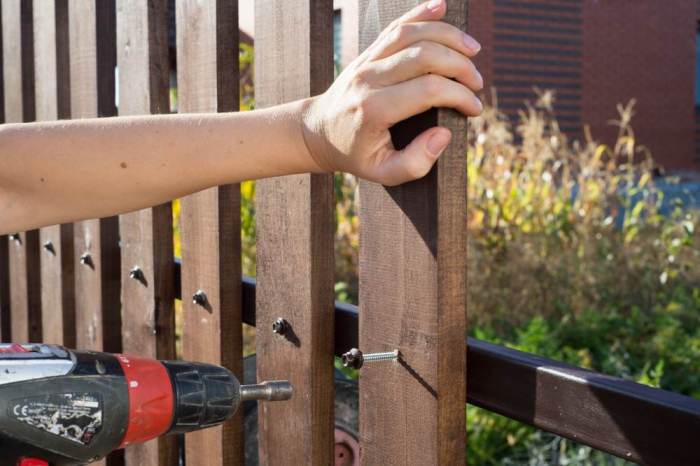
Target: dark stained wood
[
  {"x": 52, "y": 91},
  {"x": 18, "y": 67},
  {"x": 92, "y": 61},
  {"x": 92, "y": 36},
  {"x": 412, "y": 291},
  {"x": 207, "y": 60},
  {"x": 148, "y": 317},
  {"x": 635, "y": 422},
  {"x": 4, "y": 291},
  {"x": 294, "y": 59},
  {"x": 4, "y": 259}
]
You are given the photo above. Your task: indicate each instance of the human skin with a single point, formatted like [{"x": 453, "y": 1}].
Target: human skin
[{"x": 64, "y": 171}]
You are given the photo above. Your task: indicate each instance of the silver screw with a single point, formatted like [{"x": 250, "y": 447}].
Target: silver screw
[
  {"x": 48, "y": 247},
  {"x": 15, "y": 237},
  {"x": 86, "y": 259},
  {"x": 280, "y": 326},
  {"x": 199, "y": 298},
  {"x": 136, "y": 273},
  {"x": 355, "y": 359}
]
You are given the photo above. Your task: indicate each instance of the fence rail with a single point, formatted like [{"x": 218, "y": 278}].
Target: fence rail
[
  {"x": 626, "y": 419},
  {"x": 111, "y": 284}
]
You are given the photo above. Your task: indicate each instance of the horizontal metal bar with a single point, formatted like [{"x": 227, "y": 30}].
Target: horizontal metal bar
[{"x": 626, "y": 419}]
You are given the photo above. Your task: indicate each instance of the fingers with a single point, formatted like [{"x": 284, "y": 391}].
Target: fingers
[
  {"x": 433, "y": 10},
  {"x": 424, "y": 58},
  {"x": 416, "y": 160},
  {"x": 406, "y": 34},
  {"x": 396, "y": 103}
]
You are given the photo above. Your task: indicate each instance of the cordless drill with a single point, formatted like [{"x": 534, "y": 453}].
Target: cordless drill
[{"x": 62, "y": 407}]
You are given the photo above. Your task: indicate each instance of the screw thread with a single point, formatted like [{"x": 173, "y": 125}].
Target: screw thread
[{"x": 388, "y": 356}]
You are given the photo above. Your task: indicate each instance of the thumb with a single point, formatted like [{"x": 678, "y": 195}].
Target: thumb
[{"x": 416, "y": 159}]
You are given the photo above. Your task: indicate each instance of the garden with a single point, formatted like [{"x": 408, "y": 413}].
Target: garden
[{"x": 577, "y": 252}]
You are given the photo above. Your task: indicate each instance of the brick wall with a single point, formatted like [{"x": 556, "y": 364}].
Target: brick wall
[
  {"x": 537, "y": 43},
  {"x": 643, "y": 49}
]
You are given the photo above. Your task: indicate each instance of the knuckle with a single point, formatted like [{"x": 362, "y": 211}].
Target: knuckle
[
  {"x": 394, "y": 24},
  {"x": 428, "y": 54},
  {"x": 362, "y": 76},
  {"x": 432, "y": 85},
  {"x": 366, "y": 108},
  {"x": 404, "y": 32}
]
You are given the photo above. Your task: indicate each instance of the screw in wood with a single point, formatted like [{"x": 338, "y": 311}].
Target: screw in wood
[
  {"x": 355, "y": 359},
  {"x": 15, "y": 237},
  {"x": 280, "y": 326},
  {"x": 199, "y": 298},
  {"x": 136, "y": 273},
  {"x": 48, "y": 247},
  {"x": 86, "y": 259}
]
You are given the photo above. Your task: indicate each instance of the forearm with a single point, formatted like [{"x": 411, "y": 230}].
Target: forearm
[{"x": 62, "y": 171}]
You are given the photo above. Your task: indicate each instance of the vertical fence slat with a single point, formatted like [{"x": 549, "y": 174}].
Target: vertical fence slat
[
  {"x": 4, "y": 291},
  {"x": 294, "y": 59},
  {"x": 207, "y": 76},
  {"x": 52, "y": 102},
  {"x": 412, "y": 292},
  {"x": 148, "y": 325},
  {"x": 4, "y": 259},
  {"x": 18, "y": 66},
  {"x": 92, "y": 41}
]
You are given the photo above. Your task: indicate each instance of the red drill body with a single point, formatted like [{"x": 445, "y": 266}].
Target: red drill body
[{"x": 61, "y": 407}]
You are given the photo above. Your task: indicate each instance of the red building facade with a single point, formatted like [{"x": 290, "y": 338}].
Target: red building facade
[{"x": 596, "y": 54}]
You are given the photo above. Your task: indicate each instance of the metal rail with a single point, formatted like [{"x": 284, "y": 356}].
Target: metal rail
[{"x": 632, "y": 421}]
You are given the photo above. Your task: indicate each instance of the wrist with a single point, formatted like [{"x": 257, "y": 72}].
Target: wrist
[{"x": 313, "y": 136}]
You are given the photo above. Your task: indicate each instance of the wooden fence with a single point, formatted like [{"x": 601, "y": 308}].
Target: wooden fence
[{"x": 111, "y": 284}]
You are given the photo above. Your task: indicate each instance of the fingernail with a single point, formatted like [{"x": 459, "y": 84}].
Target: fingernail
[
  {"x": 479, "y": 79},
  {"x": 438, "y": 142},
  {"x": 479, "y": 105},
  {"x": 471, "y": 43},
  {"x": 434, "y": 4}
]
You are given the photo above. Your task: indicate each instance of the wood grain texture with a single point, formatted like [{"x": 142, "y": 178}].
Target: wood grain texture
[
  {"x": 92, "y": 38},
  {"x": 18, "y": 67},
  {"x": 52, "y": 90},
  {"x": 4, "y": 259},
  {"x": 4, "y": 291},
  {"x": 412, "y": 291},
  {"x": 294, "y": 60},
  {"x": 207, "y": 75},
  {"x": 148, "y": 314}
]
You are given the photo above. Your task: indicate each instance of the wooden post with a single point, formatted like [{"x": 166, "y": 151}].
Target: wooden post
[
  {"x": 207, "y": 76},
  {"x": 53, "y": 102},
  {"x": 18, "y": 66},
  {"x": 92, "y": 37},
  {"x": 294, "y": 59},
  {"x": 4, "y": 259},
  {"x": 4, "y": 292},
  {"x": 148, "y": 317},
  {"x": 413, "y": 291}
]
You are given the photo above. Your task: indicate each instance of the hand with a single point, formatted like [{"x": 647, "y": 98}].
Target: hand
[{"x": 406, "y": 71}]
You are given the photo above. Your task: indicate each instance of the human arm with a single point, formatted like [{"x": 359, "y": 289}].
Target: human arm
[{"x": 69, "y": 170}]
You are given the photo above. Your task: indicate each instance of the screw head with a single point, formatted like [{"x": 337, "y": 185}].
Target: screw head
[
  {"x": 199, "y": 298},
  {"x": 48, "y": 247},
  {"x": 280, "y": 326},
  {"x": 353, "y": 359},
  {"x": 86, "y": 259},
  {"x": 15, "y": 237},
  {"x": 136, "y": 273}
]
